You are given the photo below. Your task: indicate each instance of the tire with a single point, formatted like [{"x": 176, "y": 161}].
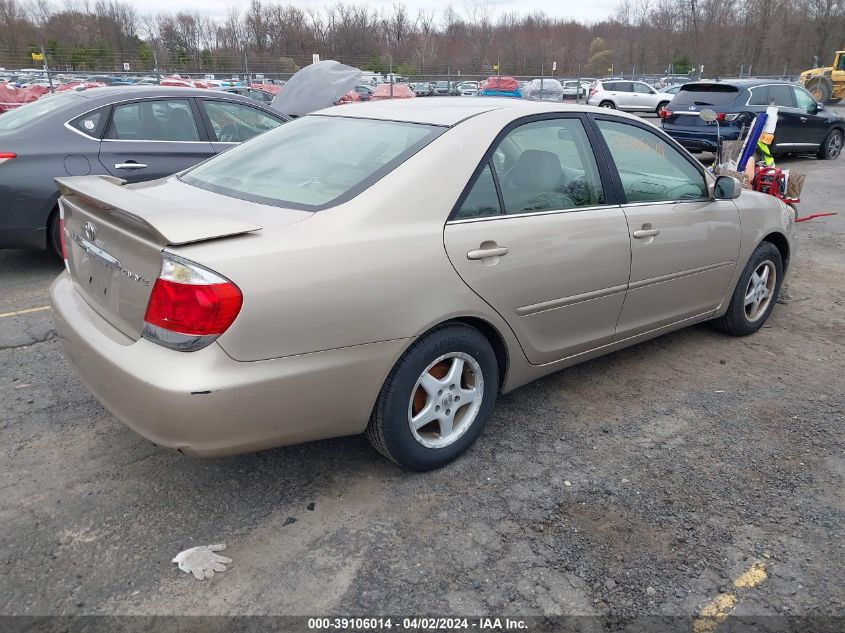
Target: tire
[
  {"x": 607, "y": 104},
  {"x": 743, "y": 318},
  {"x": 54, "y": 240},
  {"x": 660, "y": 106},
  {"x": 403, "y": 397},
  {"x": 821, "y": 91},
  {"x": 832, "y": 146}
]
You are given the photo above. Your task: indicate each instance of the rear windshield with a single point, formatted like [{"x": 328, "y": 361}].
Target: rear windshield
[
  {"x": 705, "y": 95},
  {"x": 312, "y": 162},
  {"x": 31, "y": 112}
]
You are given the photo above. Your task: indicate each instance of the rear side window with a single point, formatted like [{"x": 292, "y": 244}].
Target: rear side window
[
  {"x": 705, "y": 95},
  {"x": 759, "y": 96},
  {"x": 781, "y": 95},
  {"x": 547, "y": 165},
  {"x": 92, "y": 123},
  {"x": 312, "y": 162},
  {"x": 482, "y": 199},
  {"x": 154, "y": 120}
]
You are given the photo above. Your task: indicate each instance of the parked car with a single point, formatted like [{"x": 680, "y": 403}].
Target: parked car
[
  {"x": 574, "y": 90},
  {"x": 631, "y": 96},
  {"x": 672, "y": 80},
  {"x": 468, "y": 89},
  {"x": 364, "y": 91},
  {"x": 670, "y": 90},
  {"x": 545, "y": 89},
  {"x": 423, "y": 89},
  {"x": 255, "y": 93},
  {"x": 441, "y": 88},
  {"x": 138, "y": 133},
  {"x": 288, "y": 289},
  {"x": 804, "y": 126}
]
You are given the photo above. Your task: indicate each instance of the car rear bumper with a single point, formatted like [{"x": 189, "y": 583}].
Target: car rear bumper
[
  {"x": 700, "y": 140},
  {"x": 206, "y": 403}
]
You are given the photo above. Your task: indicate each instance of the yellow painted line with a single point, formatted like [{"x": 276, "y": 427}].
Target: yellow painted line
[
  {"x": 721, "y": 606},
  {"x": 3, "y": 315},
  {"x": 752, "y": 577}
]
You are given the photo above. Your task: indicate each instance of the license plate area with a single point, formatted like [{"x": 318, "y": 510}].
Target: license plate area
[{"x": 97, "y": 273}]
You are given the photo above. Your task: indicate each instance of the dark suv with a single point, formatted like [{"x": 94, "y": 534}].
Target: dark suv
[{"x": 804, "y": 126}]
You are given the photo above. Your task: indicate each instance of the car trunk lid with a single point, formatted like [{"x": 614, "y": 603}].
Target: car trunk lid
[{"x": 114, "y": 236}]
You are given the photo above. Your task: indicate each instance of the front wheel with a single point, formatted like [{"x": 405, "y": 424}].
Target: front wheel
[
  {"x": 832, "y": 146},
  {"x": 437, "y": 399},
  {"x": 755, "y": 294}
]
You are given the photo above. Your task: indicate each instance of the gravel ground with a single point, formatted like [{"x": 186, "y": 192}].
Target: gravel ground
[{"x": 646, "y": 482}]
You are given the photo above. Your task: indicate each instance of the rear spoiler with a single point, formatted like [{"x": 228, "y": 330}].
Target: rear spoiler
[{"x": 173, "y": 224}]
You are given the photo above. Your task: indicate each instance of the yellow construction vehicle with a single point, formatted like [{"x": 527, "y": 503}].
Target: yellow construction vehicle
[{"x": 827, "y": 84}]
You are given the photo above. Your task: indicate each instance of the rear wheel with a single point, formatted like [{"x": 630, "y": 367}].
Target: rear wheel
[
  {"x": 832, "y": 146},
  {"x": 437, "y": 399},
  {"x": 54, "y": 238},
  {"x": 755, "y": 294},
  {"x": 607, "y": 104},
  {"x": 660, "y": 106}
]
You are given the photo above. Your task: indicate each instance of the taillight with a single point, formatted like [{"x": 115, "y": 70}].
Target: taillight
[
  {"x": 7, "y": 156},
  {"x": 189, "y": 306},
  {"x": 593, "y": 91},
  {"x": 664, "y": 113}
]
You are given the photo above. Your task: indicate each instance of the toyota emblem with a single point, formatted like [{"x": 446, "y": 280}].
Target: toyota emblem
[
  {"x": 692, "y": 107},
  {"x": 90, "y": 231}
]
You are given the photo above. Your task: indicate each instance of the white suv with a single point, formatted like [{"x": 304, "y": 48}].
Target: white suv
[{"x": 634, "y": 96}]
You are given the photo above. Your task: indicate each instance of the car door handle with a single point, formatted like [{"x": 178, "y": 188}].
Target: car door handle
[
  {"x": 644, "y": 233},
  {"x": 803, "y": 119},
  {"x": 129, "y": 165},
  {"x": 484, "y": 253}
]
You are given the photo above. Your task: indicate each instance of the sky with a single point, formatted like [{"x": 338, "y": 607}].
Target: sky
[{"x": 581, "y": 10}]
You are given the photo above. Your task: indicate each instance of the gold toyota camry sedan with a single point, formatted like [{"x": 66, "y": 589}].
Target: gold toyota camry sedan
[{"x": 293, "y": 288}]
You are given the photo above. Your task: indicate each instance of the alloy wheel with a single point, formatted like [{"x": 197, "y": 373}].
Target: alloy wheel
[
  {"x": 446, "y": 400},
  {"x": 834, "y": 145},
  {"x": 760, "y": 291}
]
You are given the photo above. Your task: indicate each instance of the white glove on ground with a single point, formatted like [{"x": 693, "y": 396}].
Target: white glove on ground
[{"x": 201, "y": 561}]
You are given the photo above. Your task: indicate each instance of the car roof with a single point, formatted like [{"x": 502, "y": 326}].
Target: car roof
[
  {"x": 107, "y": 93},
  {"x": 446, "y": 111},
  {"x": 738, "y": 83}
]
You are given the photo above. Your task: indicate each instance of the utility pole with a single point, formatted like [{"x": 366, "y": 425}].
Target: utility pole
[
  {"x": 390, "y": 57},
  {"x": 155, "y": 61},
  {"x": 47, "y": 69},
  {"x": 246, "y": 67}
]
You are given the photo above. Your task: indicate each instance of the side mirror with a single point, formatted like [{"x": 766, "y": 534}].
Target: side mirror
[
  {"x": 727, "y": 188},
  {"x": 819, "y": 106}
]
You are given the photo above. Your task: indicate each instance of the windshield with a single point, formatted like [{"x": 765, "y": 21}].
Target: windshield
[
  {"x": 313, "y": 162},
  {"x": 31, "y": 112},
  {"x": 705, "y": 95}
]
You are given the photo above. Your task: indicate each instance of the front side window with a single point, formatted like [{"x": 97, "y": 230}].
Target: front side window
[
  {"x": 312, "y": 162},
  {"x": 154, "y": 120},
  {"x": 651, "y": 169},
  {"x": 235, "y": 122},
  {"x": 642, "y": 88},
  {"x": 804, "y": 100},
  {"x": 547, "y": 165}
]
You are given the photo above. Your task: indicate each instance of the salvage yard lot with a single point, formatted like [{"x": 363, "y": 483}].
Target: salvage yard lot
[{"x": 644, "y": 482}]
